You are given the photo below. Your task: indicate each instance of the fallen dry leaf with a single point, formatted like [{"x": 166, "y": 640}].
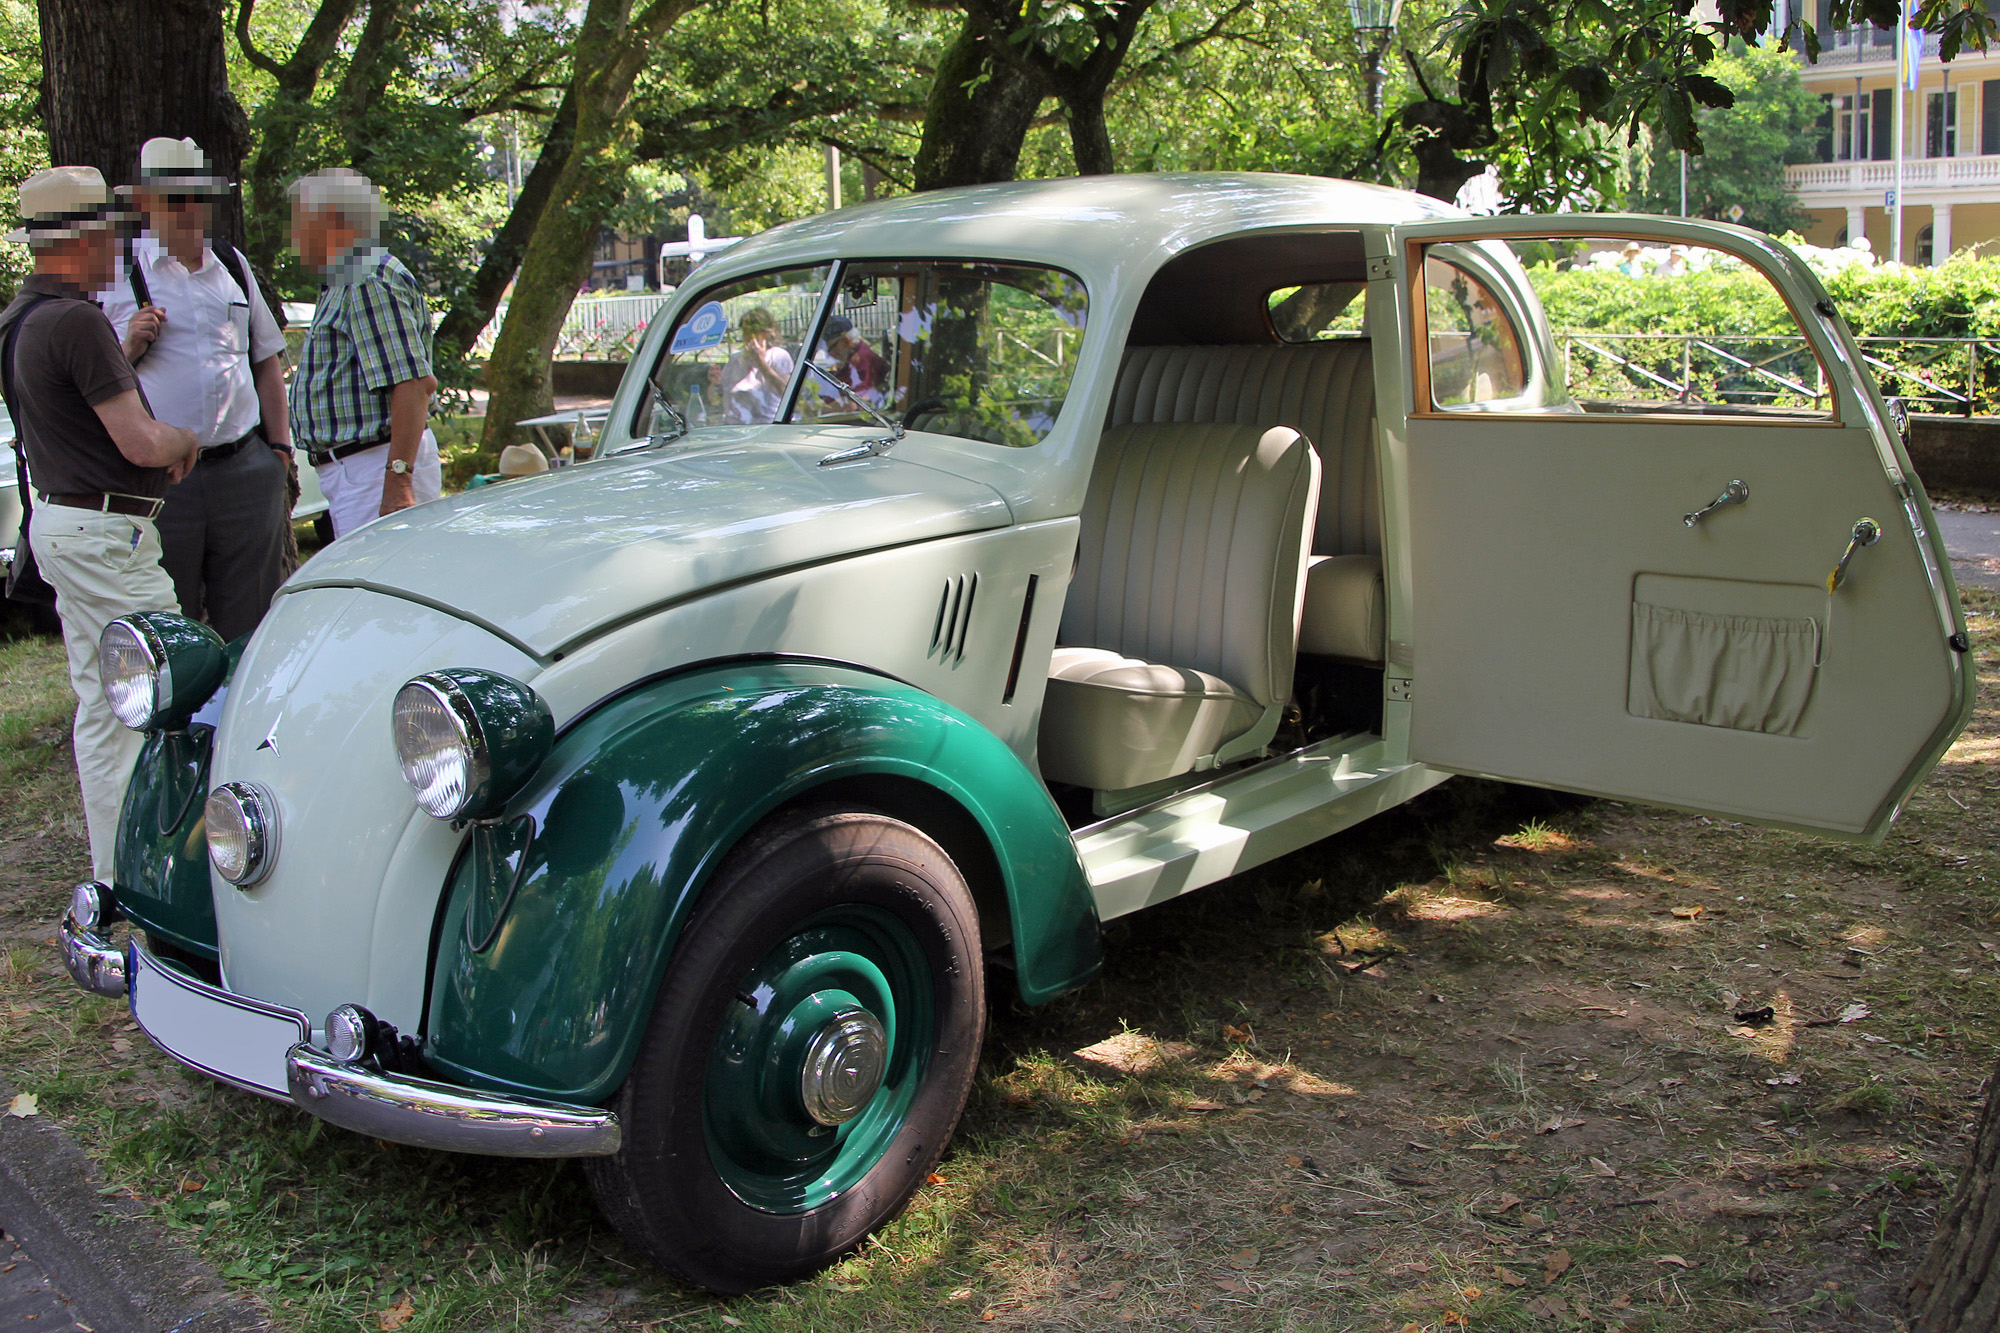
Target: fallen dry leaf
[
  {"x": 1673, "y": 1259},
  {"x": 1113, "y": 1291},
  {"x": 1558, "y": 1124},
  {"x": 1243, "y": 1259},
  {"x": 1230, "y": 1284},
  {"x": 935, "y": 1179},
  {"x": 732, "y": 1321},
  {"x": 1602, "y": 1167},
  {"x": 1854, "y": 1013},
  {"x": 1206, "y": 1105},
  {"x": 395, "y": 1316},
  {"x": 1556, "y": 1265},
  {"x": 1294, "y": 1162},
  {"x": 23, "y": 1106},
  {"x": 1511, "y": 1279},
  {"x": 1548, "y": 1307},
  {"x": 1230, "y": 1032},
  {"x": 1687, "y": 913},
  {"x": 1507, "y": 1201}
]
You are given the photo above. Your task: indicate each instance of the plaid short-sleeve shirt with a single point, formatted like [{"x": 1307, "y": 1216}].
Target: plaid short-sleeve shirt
[{"x": 370, "y": 332}]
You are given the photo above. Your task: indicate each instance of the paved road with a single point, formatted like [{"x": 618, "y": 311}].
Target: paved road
[
  {"x": 27, "y": 1298},
  {"x": 1973, "y": 539}
]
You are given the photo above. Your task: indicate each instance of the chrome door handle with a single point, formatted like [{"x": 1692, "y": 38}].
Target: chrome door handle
[
  {"x": 1866, "y": 533},
  {"x": 1735, "y": 493}
]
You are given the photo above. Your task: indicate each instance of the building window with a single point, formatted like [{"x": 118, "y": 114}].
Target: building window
[
  {"x": 1853, "y": 127},
  {"x": 1941, "y": 125},
  {"x": 1924, "y": 248},
  {"x": 1989, "y": 116}
]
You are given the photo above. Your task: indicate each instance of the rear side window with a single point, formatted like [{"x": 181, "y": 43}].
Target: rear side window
[
  {"x": 981, "y": 351},
  {"x": 1475, "y": 349}
]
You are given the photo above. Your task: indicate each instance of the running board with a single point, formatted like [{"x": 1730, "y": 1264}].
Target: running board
[{"x": 1225, "y": 827}]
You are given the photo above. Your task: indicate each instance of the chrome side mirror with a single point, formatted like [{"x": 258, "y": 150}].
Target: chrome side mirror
[{"x": 1899, "y": 417}]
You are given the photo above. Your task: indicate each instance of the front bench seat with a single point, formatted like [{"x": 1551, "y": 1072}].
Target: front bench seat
[
  {"x": 1180, "y": 630},
  {"x": 1327, "y": 390}
]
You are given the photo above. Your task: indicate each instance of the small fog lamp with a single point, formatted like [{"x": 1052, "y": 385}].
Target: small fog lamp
[{"x": 350, "y": 1034}]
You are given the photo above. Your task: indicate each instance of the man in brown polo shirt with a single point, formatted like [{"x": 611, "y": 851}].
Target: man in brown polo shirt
[{"x": 98, "y": 461}]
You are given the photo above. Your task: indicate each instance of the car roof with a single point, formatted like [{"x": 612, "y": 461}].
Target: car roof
[{"x": 1090, "y": 225}]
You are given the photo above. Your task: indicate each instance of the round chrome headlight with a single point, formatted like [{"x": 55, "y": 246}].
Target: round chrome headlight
[
  {"x": 87, "y": 906},
  {"x": 468, "y": 740},
  {"x": 158, "y": 668},
  {"x": 242, "y": 827}
]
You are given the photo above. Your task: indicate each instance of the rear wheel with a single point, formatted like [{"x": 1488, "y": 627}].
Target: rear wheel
[{"x": 808, "y": 1057}]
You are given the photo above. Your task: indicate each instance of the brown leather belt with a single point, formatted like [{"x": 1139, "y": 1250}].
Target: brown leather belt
[{"x": 134, "y": 505}]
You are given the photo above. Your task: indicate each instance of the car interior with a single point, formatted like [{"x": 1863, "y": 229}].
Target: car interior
[{"x": 1185, "y": 644}]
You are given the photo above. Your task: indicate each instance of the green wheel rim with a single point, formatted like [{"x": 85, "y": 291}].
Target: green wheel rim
[{"x": 845, "y": 969}]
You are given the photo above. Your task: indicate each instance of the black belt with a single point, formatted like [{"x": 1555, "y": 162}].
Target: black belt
[
  {"x": 134, "y": 506},
  {"x": 321, "y": 457},
  {"x": 215, "y": 453}
]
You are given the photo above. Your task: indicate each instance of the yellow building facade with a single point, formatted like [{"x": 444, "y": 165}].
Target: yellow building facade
[{"x": 1951, "y": 148}]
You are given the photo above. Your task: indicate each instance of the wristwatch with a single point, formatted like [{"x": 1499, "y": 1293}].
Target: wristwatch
[{"x": 399, "y": 467}]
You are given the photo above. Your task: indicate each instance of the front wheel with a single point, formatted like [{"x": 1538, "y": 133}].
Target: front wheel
[{"x": 808, "y": 1057}]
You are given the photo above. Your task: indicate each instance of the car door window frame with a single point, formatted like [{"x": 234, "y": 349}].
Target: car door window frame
[{"x": 1418, "y": 351}]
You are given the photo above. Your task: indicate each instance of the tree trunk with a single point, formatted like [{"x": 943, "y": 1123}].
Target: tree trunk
[
  {"x": 367, "y": 79},
  {"x": 1957, "y": 1287},
  {"x": 610, "y": 52},
  {"x": 463, "y": 323},
  {"x": 1089, "y": 135},
  {"x": 106, "y": 87},
  {"x": 973, "y": 135},
  {"x": 281, "y": 119}
]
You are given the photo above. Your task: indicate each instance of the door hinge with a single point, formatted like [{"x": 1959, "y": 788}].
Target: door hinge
[
  {"x": 1399, "y": 689},
  {"x": 1381, "y": 267}
]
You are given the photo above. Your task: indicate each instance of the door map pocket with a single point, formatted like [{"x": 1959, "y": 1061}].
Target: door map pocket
[{"x": 1722, "y": 653}]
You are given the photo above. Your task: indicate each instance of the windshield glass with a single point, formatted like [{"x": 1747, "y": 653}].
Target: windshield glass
[
  {"x": 980, "y": 351},
  {"x": 730, "y": 355}
]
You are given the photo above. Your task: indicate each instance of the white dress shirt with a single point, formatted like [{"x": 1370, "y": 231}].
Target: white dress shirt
[{"x": 197, "y": 374}]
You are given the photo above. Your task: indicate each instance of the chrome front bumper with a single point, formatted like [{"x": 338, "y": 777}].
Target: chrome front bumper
[{"x": 188, "y": 1015}]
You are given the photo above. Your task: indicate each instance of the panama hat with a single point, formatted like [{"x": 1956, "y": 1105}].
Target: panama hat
[
  {"x": 522, "y": 460},
  {"x": 64, "y": 201},
  {"x": 179, "y": 166}
]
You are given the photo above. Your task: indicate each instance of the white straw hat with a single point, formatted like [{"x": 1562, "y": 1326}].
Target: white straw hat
[
  {"x": 179, "y": 166},
  {"x": 522, "y": 460},
  {"x": 64, "y": 201}
]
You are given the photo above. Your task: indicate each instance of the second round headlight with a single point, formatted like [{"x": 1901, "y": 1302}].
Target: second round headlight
[
  {"x": 468, "y": 739},
  {"x": 159, "y": 668}
]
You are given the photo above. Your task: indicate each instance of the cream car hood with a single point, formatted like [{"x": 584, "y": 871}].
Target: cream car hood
[{"x": 547, "y": 562}]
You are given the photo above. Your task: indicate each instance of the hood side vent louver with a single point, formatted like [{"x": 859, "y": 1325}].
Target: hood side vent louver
[{"x": 954, "y": 618}]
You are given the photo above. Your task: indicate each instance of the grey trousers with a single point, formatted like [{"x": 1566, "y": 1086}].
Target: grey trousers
[{"x": 222, "y": 537}]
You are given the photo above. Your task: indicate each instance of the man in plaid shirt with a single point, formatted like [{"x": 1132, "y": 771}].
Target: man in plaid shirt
[{"x": 363, "y": 386}]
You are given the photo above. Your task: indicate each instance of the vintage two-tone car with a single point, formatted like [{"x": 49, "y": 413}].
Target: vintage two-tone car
[{"x": 959, "y": 573}]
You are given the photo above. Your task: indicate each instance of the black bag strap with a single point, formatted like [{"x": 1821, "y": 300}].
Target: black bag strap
[{"x": 142, "y": 291}]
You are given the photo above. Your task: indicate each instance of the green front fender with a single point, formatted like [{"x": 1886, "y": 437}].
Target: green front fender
[{"x": 555, "y": 934}]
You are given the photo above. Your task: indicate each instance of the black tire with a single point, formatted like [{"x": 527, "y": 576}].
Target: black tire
[{"x": 675, "y": 1190}]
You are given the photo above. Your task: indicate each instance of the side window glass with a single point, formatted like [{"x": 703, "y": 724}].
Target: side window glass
[
  {"x": 731, "y": 353},
  {"x": 1475, "y": 350},
  {"x": 1647, "y": 326},
  {"x": 981, "y": 351}
]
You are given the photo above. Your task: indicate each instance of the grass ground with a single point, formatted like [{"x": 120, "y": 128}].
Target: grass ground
[{"x": 1474, "y": 1065}]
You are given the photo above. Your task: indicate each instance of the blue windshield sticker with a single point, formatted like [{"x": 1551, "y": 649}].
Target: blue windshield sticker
[{"x": 703, "y": 329}]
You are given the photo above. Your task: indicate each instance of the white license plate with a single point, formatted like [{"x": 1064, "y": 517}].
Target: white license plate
[{"x": 230, "y": 1037}]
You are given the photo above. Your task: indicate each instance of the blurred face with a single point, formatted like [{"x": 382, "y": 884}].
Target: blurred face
[
  {"x": 87, "y": 261},
  {"x": 320, "y": 236},
  {"x": 182, "y": 221}
]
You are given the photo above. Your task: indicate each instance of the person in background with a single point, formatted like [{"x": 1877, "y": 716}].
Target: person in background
[
  {"x": 753, "y": 382},
  {"x": 857, "y": 365},
  {"x": 362, "y": 390},
  {"x": 210, "y": 358},
  {"x": 99, "y": 460}
]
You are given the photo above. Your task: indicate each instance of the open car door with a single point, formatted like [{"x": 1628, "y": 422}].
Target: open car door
[{"x": 1661, "y": 557}]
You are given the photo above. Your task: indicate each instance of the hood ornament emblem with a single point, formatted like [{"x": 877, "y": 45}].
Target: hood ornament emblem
[{"x": 270, "y": 741}]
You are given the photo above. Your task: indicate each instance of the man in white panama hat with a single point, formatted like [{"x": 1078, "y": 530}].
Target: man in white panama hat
[
  {"x": 209, "y": 356},
  {"x": 99, "y": 461}
]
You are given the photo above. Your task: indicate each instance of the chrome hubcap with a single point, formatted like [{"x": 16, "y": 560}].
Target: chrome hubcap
[{"x": 844, "y": 1064}]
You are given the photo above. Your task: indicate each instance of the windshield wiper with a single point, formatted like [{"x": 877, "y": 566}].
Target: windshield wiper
[
  {"x": 662, "y": 403},
  {"x": 874, "y": 448}
]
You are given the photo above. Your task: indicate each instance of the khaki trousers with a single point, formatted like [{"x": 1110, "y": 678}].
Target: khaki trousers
[{"x": 102, "y": 566}]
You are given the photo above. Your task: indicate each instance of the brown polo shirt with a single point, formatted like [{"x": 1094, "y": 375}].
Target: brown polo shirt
[{"x": 67, "y": 361}]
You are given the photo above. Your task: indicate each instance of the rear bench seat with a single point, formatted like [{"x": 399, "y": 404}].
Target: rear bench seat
[{"x": 1326, "y": 392}]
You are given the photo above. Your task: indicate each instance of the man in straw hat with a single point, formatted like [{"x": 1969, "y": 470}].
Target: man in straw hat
[
  {"x": 363, "y": 387},
  {"x": 99, "y": 461},
  {"x": 209, "y": 358}
]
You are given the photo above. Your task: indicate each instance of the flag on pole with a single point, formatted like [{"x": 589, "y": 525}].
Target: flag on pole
[{"x": 1913, "y": 47}]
